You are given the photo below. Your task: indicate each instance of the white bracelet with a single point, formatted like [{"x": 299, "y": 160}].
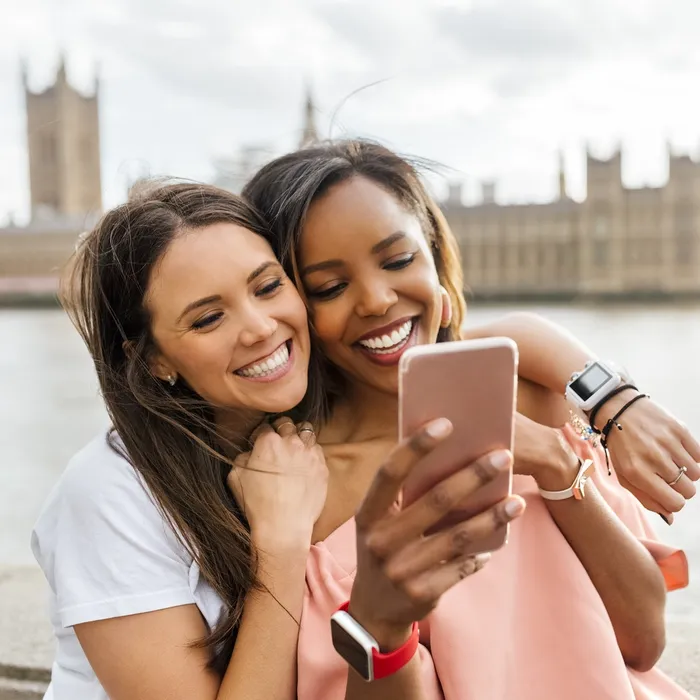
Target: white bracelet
[{"x": 577, "y": 489}]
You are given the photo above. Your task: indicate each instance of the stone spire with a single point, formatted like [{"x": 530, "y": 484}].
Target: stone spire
[
  {"x": 309, "y": 135},
  {"x": 24, "y": 68},
  {"x": 562, "y": 177},
  {"x": 61, "y": 78}
]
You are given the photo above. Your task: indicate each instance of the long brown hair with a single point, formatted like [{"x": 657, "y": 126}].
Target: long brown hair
[
  {"x": 169, "y": 432},
  {"x": 284, "y": 189}
]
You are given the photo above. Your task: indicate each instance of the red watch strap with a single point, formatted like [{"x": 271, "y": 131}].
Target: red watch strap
[{"x": 387, "y": 664}]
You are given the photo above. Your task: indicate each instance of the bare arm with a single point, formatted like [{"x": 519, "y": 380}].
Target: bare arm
[
  {"x": 281, "y": 485},
  {"x": 549, "y": 354},
  {"x": 653, "y": 445},
  {"x": 148, "y": 656},
  {"x": 624, "y": 573}
]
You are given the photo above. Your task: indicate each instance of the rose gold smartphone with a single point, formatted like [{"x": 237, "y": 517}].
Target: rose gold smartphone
[{"x": 473, "y": 383}]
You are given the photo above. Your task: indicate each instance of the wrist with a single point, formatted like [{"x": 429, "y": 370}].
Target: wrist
[
  {"x": 285, "y": 541},
  {"x": 558, "y": 469},
  {"x": 611, "y": 407},
  {"x": 389, "y": 636}
]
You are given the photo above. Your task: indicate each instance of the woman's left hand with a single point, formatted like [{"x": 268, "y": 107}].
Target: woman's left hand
[{"x": 649, "y": 451}]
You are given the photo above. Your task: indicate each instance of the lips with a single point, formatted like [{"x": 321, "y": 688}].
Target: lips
[
  {"x": 385, "y": 346},
  {"x": 271, "y": 365},
  {"x": 389, "y": 340},
  {"x": 385, "y": 330}
]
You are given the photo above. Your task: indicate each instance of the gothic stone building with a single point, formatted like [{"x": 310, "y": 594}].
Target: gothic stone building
[
  {"x": 63, "y": 139},
  {"x": 619, "y": 242}
]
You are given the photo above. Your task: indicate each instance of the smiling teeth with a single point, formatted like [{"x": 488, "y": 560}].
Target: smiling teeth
[
  {"x": 268, "y": 366},
  {"x": 389, "y": 342}
]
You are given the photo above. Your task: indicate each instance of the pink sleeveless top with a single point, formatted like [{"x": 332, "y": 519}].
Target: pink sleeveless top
[{"x": 529, "y": 626}]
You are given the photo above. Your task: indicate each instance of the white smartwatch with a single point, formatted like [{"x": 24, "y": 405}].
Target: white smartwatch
[{"x": 590, "y": 386}]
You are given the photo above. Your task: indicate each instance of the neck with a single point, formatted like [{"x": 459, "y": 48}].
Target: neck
[{"x": 364, "y": 414}]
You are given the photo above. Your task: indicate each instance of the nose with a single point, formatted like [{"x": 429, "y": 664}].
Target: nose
[
  {"x": 256, "y": 326},
  {"x": 375, "y": 297}
]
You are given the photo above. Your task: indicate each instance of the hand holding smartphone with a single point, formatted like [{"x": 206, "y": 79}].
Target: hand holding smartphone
[{"x": 473, "y": 383}]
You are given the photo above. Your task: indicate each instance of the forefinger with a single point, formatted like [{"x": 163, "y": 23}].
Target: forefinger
[
  {"x": 387, "y": 482},
  {"x": 263, "y": 429}
]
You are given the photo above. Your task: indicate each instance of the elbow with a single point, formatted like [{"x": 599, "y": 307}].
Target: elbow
[{"x": 644, "y": 651}]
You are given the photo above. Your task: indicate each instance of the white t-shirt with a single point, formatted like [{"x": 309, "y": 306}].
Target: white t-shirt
[{"x": 106, "y": 551}]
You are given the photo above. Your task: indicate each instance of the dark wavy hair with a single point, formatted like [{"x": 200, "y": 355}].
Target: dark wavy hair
[
  {"x": 169, "y": 432},
  {"x": 284, "y": 189}
]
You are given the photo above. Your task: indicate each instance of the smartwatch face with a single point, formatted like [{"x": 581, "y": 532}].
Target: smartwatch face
[
  {"x": 350, "y": 649},
  {"x": 590, "y": 381}
]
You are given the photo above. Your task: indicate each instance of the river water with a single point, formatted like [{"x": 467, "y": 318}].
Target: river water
[{"x": 49, "y": 406}]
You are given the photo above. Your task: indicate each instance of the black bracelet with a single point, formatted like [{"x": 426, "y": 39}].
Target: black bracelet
[
  {"x": 614, "y": 422},
  {"x": 594, "y": 411}
]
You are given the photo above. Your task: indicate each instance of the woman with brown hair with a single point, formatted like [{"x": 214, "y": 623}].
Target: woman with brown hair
[
  {"x": 175, "y": 552},
  {"x": 573, "y": 606}
]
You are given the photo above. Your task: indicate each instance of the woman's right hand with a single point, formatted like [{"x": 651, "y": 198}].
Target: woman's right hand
[
  {"x": 281, "y": 483},
  {"x": 401, "y": 573}
]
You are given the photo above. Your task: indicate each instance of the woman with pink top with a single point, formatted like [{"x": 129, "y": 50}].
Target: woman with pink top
[{"x": 573, "y": 606}]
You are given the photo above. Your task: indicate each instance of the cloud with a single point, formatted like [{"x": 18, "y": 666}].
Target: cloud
[
  {"x": 491, "y": 87},
  {"x": 515, "y": 32}
]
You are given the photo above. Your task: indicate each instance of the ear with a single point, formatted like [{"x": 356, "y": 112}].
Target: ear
[
  {"x": 158, "y": 365},
  {"x": 446, "y": 317},
  {"x": 162, "y": 369}
]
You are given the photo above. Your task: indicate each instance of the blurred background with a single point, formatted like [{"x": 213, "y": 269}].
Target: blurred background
[{"x": 564, "y": 141}]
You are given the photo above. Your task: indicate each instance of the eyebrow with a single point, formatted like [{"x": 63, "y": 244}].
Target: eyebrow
[
  {"x": 260, "y": 269},
  {"x": 388, "y": 242},
  {"x": 217, "y": 297},
  {"x": 376, "y": 248},
  {"x": 197, "y": 304}
]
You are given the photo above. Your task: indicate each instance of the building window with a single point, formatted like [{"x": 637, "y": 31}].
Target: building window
[
  {"x": 686, "y": 246},
  {"x": 522, "y": 254},
  {"x": 601, "y": 227},
  {"x": 48, "y": 150},
  {"x": 601, "y": 253}
]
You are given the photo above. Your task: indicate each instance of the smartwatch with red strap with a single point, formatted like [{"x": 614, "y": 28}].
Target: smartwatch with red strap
[{"x": 361, "y": 650}]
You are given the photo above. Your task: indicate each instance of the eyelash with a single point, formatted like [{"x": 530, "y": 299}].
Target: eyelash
[
  {"x": 332, "y": 292},
  {"x": 269, "y": 288},
  {"x": 206, "y": 321}
]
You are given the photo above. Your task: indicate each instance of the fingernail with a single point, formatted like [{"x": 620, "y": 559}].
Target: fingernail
[
  {"x": 500, "y": 459},
  {"x": 482, "y": 559},
  {"x": 515, "y": 506},
  {"x": 664, "y": 518},
  {"x": 439, "y": 428}
]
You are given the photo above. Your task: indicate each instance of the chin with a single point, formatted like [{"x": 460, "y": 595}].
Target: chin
[{"x": 285, "y": 399}]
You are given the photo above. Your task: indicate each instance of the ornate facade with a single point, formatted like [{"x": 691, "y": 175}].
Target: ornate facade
[
  {"x": 63, "y": 138},
  {"x": 618, "y": 242}
]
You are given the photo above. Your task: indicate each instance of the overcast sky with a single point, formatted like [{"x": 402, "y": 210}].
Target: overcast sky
[{"x": 490, "y": 88}]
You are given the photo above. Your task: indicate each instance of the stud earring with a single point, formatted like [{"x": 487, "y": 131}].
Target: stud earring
[{"x": 171, "y": 380}]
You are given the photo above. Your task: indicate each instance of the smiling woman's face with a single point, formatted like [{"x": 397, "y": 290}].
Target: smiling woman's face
[
  {"x": 227, "y": 321},
  {"x": 370, "y": 279}
]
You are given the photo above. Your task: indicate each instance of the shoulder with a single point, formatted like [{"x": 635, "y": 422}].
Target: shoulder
[
  {"x": 98, "y": 468},
  {"x": 101, "y": 502},
  {"x": 100, "y": 483},
  {"x": 100, "y": 537}
]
